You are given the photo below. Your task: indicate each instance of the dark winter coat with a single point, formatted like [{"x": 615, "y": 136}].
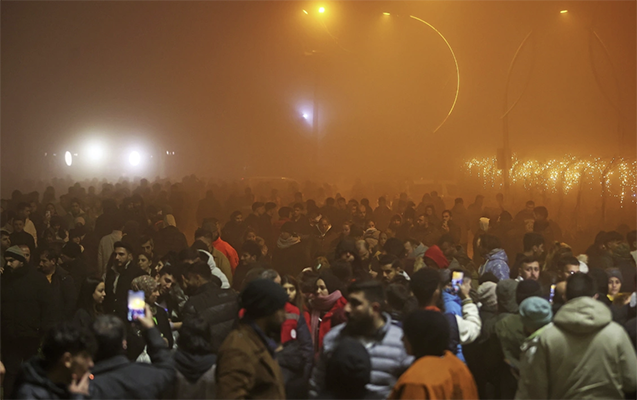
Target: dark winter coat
[
  {"x": 118, "y": 378},
  {"x": 32, "y": 383},
  {"x": 117, "y": 302},
  {"x": 170, "y": 239},
  {"x": 219, "y": 307},
  {"x": 63, "y": 295},
  {"x": 291, "y": 260},
  {"x": 27, "y": 308}
]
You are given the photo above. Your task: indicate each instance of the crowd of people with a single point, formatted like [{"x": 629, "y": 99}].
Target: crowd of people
[{"x": 308, "y": 295}]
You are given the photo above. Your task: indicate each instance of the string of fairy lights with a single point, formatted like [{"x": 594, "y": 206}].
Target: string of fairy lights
[{"x": 615, "y": 177}]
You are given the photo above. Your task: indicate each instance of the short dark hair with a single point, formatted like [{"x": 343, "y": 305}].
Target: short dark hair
[
  {"x": 580, "y": 285},
  {"x": 256, "y": 205},
  {"x": 542, "y": 211},
  {"x": 489, "y": 242},
  {"x": 146, "y": 239},
  {"x": 124, "y": 246},
  {"x": 195, "y": 336},
  {"x": 395, "y": 246},
  {"x": 66, "y": 337},
  {"x": 109, "y": 332},
  {"x": 22, "y": 206},
  {"x": 198, "y": 268},
  {"x": 459, "y": 201},
  {"x": 298, "y": 205},
  {"x": 424, "y": 283},
  {"x": 389, "y": 259},
  {"x": 427, "y": 332},
  {"x": 563, "y": 261},
  {"x": 269, "y": 274},
  {"x": 168, "y": 270},
  {"x": 284, "y": 212},
  {"x": 50, "y": 253},
  {"x": 201, "y": 232},
  {"x": 532, "y": 239},
  {"x": 251, "y": 247},
  {"x": 528, "y": 260},
  {"x": 614, "y": 236},
  {"x": 270, "y": 206},
  {"x": 373, "y": 291},
  {"x": 189, "y": 253},
  {"x": 448, "y": 211}
]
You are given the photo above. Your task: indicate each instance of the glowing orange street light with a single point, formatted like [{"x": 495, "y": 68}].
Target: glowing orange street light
[
  {"x": 386, "y": 13},
  {"x": 321, "y": 10},
  {"x": 563, "y": 11},
  {"x": 305, "y": 11}
]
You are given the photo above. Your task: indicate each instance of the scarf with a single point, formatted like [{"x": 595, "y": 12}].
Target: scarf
[
  {"x": 319, "y": 305},
  {"x": 291, "y": 241}
]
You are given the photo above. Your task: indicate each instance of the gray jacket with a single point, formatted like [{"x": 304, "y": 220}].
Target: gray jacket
[{"x": 387, "y": 354}]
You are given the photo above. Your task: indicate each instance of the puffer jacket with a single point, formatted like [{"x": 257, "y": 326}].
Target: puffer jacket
[
  {"x": 32, "y": 383},
  {"x": 497, "y": 263},
  {"x": 225, "y": 284},
  {"x": 386, "y": 351},
  {"x": 584, "y": 355}
]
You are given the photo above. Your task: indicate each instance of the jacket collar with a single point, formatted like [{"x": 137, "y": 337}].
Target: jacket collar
[{"x": 110, "y": 364}]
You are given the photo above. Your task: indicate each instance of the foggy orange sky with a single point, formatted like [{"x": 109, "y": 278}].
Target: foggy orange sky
[{"x": 225, "y": 84}]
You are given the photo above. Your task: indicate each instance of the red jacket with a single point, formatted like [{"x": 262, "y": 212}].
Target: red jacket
[
  {"x": 335, "y": 316},
  {"x": 228, "y": 251}
]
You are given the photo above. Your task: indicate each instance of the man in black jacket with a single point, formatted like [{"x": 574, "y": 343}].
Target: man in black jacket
[
  {"x": 219, "y": 307},
  {"x": 115, "y": 377},
  {"x": 63, "y": 371},
  {"x": 64, "y": 295},
  {"x": 118, "y": 280},
  {"x": 26, "y": 312},
  {"x": 73, "y": 263}
]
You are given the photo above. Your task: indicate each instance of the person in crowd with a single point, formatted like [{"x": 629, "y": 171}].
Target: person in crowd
[
  {"x": 148, "y": 248},
  {"x": 107, "y": 243},
  {"x": 74, "y": 264},
  {"x": 246, "y": 367},
  {"x": 195, "y": 362},
  {"x": 253, "y": 219},
  {"x": 118, "y": 280},
  {"x": 27, "y": 312},
  {"x": 24, "y": 211},
  {"x": 295, "y": 354},
  {"x": 615, "y": 279},
  {"x": 293, "y": 289},
  {"x": 382, "y": 214},
  {"x": 207, "y": 300},
  {"x": 400, "y": 302},
  {"x": 19, "y": 236},
  {"x": 496, "y": 259},
  {"x": 348, "y": 371},
  {"x": 435, "y": 258},
  {"x": 62, "y": 372},
  {"x": 89, "y": 302},
  {"x": 114, "y": 376},
  {"x": 63, "y": 292},
  {"x": 510, "y": 330},
  {"x": 449, "y": 226},
  {"x": 135, "y": 342},
  {"x": 394, "y": 224},
  {"x": 526, "y": 213},
  {"x": 529, "y": 269},
  {"x": 198, "y": 252},
  {"x": 233, "y": 230},
  {"x": 392, "y": 270},
  {"x": 169, "y": 237},
  {"x": 599, "y": 254},
  {"x": 169, "y": 297},
  {"x": 582, "y": 346},
  {"x": 371, "y": 326},
  {"x": 146, "y": 264},
  {"x": 6, "y": 243},
  {"x": 326, "y": 307},
  {"x": 250, "y": 256},
  {"x": 224, "y": 247},
  {"x": 221, "y": 261},
  {"x": 324, "y": 237},
  {"x": 290, "y": 255},
  {"x": 549, "y": 229},
  {"x": 566, "y": 266},
  {"x": 436, "y": 372}
]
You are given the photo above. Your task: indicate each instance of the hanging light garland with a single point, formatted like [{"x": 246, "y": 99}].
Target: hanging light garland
[{"x": 616, "y": 176}]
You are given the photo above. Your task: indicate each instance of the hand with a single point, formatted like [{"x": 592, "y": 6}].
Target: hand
[
  {"x": 465, "y": 288},
  {"x": 147, "y": 321},
  {"x": 80, "y": 386},
  {"x": 2, "y": 371}
]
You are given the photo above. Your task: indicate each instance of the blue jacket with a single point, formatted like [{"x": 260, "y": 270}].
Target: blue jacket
[
  {"x": 497, "y": 263},
  {"x": 453, "y": 306}
]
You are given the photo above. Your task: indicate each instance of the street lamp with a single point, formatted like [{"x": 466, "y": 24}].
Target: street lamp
[{"x": 321, "y": 10}]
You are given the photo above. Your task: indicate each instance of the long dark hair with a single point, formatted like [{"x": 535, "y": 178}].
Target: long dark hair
[
  {"x": 298, "y": 300},
  {"x": 85, "y": 298}
]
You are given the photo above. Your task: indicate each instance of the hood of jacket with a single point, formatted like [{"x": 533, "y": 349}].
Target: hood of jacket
[
  {"x": 497, "y": 254},
  {"x": 505, "y": 291},
  {"x": 34, "y": 374},
  {"x": 193, "y": 366},
  {"x": 582, "y": 316}
]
